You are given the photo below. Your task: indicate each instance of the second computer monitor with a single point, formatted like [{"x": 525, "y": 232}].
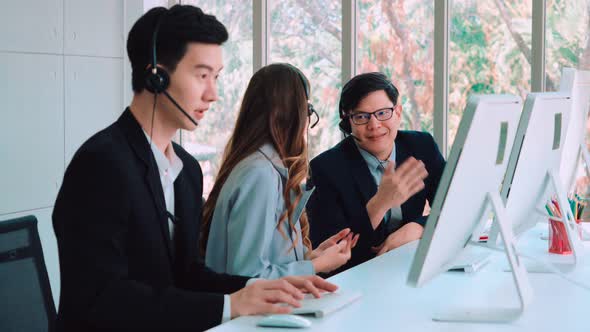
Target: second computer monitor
[
  {"x": 475, "y": 168},
  {"x": 576, "y": 83},
  {"x": 535, "y": 155}
]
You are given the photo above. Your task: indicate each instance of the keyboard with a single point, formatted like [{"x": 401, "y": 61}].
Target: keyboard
[{"x": 327, "y": 304}]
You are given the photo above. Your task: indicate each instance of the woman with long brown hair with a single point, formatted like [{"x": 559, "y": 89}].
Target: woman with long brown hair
[{"x": 254, "y": 222}]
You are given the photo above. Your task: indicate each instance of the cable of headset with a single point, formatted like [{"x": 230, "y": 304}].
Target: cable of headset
[{"x": 157, "y": 81}]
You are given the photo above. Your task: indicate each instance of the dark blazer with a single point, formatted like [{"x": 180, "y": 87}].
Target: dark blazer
[
  {"x": 344, "y": 185},
  {"x": 119, "y": 268}
]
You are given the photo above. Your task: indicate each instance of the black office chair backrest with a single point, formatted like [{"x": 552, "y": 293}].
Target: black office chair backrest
[{"x": 25, "y": 293}]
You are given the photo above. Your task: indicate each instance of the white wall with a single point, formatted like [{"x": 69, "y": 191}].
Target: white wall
[{"x": 65, "y": 76}]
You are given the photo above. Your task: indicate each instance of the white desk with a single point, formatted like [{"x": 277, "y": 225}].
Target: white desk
[{"x": 388, "y": 304}]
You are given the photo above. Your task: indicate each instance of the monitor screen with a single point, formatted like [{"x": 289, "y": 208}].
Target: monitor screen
[
  {"x": 536, "y": 152},
  {"x": 476, "y": 166},
  {"x": 577, "y": 84}
]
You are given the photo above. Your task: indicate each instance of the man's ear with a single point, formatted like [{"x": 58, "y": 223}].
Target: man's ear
[{"x": 398, "y": 111}]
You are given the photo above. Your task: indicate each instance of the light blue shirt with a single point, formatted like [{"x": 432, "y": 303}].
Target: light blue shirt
[
  {"x": 244, "y": 238},
  {"x": 377, "y": 168}
]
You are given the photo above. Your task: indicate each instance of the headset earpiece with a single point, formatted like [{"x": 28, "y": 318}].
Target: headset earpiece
[
  {"x": 310, "y": 108},
  {"x": 157, "y": 78},
  {"x": 344, "y": 126},
  {"x": 157, "y": 81}
]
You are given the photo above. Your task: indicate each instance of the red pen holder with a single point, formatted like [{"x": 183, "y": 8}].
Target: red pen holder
[{"x": 558, "y": 241}]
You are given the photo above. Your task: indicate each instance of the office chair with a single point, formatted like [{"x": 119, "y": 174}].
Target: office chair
[{"x": 26, "y": 303}]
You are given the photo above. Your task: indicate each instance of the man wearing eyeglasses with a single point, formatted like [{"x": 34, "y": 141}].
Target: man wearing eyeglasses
[{"x": 377, "y": 180}]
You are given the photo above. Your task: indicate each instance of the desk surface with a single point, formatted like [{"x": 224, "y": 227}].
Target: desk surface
[{"x": 388, "y": 303}]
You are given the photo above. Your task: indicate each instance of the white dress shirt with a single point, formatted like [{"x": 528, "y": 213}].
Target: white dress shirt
[{"x": 169, "y": 167}]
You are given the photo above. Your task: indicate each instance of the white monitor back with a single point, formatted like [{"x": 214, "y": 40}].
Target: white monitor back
[
  {"x": 476, "y": 166},
  {"x": 536, "y": 151},
  {"x": 577, "y": 84}
]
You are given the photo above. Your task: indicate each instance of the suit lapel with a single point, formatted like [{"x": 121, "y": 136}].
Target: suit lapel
[
  {"x": 401, "y": 154},
  {"x": 360, "y": 170},
  {"x": 140, "y": 146},
  {"x": 155, "y": 185},
  {"x": 305, "y": 195},
  {"x": 182, "y": 208}
]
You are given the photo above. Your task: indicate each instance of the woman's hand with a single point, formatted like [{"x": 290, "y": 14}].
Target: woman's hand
[
  {"x": 332, "y": 240},
  {"x": 335, "y": 255}
]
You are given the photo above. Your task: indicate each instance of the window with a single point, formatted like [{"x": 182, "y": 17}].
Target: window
[
  {"x": 489, "y": 52},
  {"x": 396, "y": 38},
  {"x": 567, "y": 44},
  {"x": 308, "y": 35},
  {"x": 567, "y": 41},
  {"x": 208, "y": 141}
]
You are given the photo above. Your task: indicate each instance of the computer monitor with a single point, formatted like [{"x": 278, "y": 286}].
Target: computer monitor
[
  {"x": 469, "y": 186},
  {"x": 532, "y": 178},
  {"x": 27, "y": 302},
  {"x": 577, "y": 84}
]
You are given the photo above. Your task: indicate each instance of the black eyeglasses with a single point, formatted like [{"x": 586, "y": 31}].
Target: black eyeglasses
[
  {"x": 311, "y": 111},
  {"x": 361, "y": 118}
]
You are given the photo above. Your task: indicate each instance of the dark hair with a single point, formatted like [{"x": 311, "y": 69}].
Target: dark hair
[
  {"x": 273, "y": 110},
  {"x": 180, "y": 25},
  {"x": 360, "y": 86}
]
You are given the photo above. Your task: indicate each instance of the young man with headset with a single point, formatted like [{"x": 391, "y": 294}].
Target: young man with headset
[
  {"x": 377, "y": 180},
  {"x": 127, "y": 216}
]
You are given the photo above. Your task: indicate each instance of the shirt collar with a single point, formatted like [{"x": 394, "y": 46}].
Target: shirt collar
[
  {"x": 172, "y": 166},
  {"x": 372, "y": 161},
  {"x": 273, "y": 156}
]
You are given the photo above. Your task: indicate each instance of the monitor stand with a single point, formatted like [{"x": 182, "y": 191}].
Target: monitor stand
[
  {"x": 521, "y": 281},
  {"x": 552, "y": 181}
]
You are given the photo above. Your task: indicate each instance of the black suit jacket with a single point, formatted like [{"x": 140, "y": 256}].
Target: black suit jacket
[
  {"x": 119, "y": 268},
  {"x": 344, "y": 185}
]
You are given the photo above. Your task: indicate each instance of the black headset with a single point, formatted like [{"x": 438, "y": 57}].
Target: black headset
[
  {"x": 344, "y": 126},
  {"x": 344, "y": 123},
  {"x": 310, "y": 109},
  {"x": 157, "y": 80}
]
